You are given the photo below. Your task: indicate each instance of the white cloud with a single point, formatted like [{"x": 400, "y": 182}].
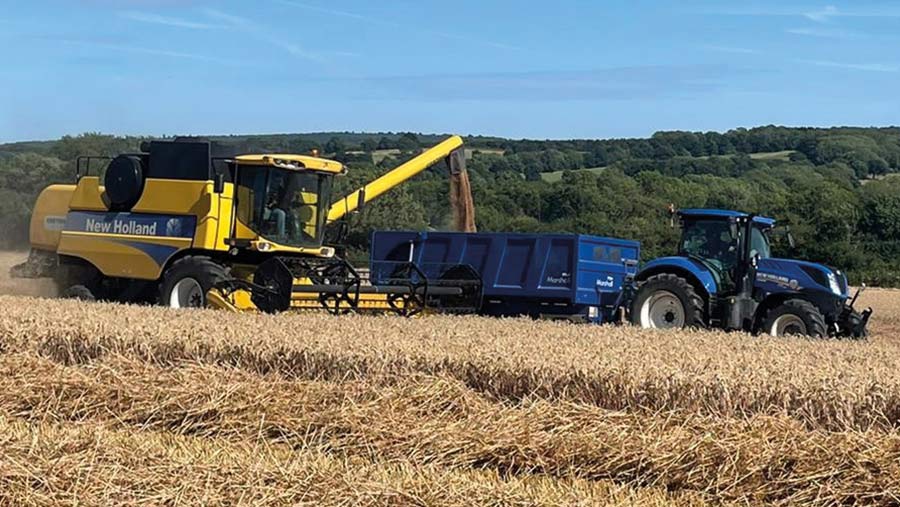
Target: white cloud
[
  {"x": 825, "y": 33},
  {"x": 391, "y": 24},
  {"x": 823, "y": 15},
  {"x": 146, "y": 51},
  {"x": 869, "y": 67},
  {"x": 731, "y": 49},
  {"x": 146, "y": 17},
  {"x": 332, "y": 12},
  {"x": 262, "y": 33}
]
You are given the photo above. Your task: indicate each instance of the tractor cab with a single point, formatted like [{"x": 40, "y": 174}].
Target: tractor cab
[
  {"x": 281, "y": 202},
  {"x": 715, "y": 239}
]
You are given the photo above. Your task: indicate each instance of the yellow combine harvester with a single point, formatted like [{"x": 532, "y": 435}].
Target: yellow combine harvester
[{"x": 178, "y": 226}]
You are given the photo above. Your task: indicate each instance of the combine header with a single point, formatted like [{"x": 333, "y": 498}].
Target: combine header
[{"x": 178, "y": 226}]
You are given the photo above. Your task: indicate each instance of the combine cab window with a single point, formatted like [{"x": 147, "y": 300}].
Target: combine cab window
[{"x": 286, "y": 207}]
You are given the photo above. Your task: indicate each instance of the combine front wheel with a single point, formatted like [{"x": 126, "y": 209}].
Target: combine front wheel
[{"x": 186, "y": 282}]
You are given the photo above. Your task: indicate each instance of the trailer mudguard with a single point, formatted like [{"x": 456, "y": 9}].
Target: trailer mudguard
[{"x": 680, "y": 265}]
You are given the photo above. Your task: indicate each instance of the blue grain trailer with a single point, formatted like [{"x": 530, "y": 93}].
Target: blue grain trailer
[{"x": 562, "y": 276}]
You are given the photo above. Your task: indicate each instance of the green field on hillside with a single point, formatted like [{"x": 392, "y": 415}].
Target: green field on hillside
[{"x": 553, "y": 177}]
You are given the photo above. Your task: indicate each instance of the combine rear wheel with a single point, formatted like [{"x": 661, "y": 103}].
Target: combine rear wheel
[
  {"x": 795, "y": 317},
  {"x": 667, "y": 301},
  {"x": 186, "y": 282},
  {"x": 79, "y": 292}
]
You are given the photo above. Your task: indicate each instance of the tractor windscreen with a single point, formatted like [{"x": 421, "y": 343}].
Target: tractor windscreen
[{"x": 287, "y": 207}]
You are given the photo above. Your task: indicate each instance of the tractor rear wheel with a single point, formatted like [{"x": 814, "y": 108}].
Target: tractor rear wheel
[
  {"x": 795, "y": 317},
  {"x": 186, "y": 282},
  {"x": 667, "y": 301}
]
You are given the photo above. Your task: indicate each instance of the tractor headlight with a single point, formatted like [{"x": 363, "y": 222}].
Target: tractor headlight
[{"x": 833, "y": 284}]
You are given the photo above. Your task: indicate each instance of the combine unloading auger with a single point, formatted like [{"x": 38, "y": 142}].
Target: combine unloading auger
[{"x": 461, "y": 203}]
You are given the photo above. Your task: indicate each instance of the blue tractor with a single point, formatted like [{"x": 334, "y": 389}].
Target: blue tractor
[{"x": 724, "y": 277}]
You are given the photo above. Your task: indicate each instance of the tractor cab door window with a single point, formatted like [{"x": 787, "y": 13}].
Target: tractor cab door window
[
  {"x": 759, "y": 244},
  {"x": 712, "y": 241}
]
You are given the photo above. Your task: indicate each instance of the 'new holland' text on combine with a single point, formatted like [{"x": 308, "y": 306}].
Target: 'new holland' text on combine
[{"x": 130, "y": 227}]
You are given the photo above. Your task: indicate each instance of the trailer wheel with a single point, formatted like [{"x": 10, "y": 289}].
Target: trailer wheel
[
  {"x": 186, "y": 282},
  {"x": 795, "y": 317},
  {"x": 667, "y": 301}
]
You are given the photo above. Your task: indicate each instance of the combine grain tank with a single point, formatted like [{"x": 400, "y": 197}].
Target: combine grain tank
[{"x": 559, "y": 276}]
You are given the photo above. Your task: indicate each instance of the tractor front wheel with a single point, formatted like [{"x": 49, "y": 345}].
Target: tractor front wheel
[
  {"x": 795, "y": 317},
  {"x": 667, "y": 301},
  {"x": 186, "y": 282}
]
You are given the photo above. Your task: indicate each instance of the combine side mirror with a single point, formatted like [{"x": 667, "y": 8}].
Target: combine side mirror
[
  {"x": 790, "y": 239},
  {"x": 336, "y": 232},
  {"x": 360, "y": 200},
  {"x": 219, "y": 183}
]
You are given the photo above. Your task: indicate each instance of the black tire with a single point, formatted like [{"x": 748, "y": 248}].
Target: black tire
[
  {"x": 199, "y": 270},
  {"x": 73, "y": 272},
  {"x": 692, "y": 305},
  {"x": 124, "y": 182},
  {"x": 800, "y": 318},
  {"x": 79, "y": 292}
]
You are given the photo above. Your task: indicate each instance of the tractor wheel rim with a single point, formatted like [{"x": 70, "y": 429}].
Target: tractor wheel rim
[
  {"x": 788, "y": 324},
  {"x": 187, "y": 293},
  {"x": 662, "y": 310}
]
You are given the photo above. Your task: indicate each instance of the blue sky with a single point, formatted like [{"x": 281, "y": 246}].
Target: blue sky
[{"x": 558, "y": 69}]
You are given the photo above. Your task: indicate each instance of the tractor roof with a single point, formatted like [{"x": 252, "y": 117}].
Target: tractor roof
[
  {"x": 295, "y": 162},
  {"x": 724, "y": 213}
]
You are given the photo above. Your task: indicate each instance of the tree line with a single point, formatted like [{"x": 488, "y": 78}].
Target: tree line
[{"x": 834, "y": 188}]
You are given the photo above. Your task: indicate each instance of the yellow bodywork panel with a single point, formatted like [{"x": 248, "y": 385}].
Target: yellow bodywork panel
[
  {"x": 88, "y": 195},
  {"x": 294, "y": 162},
  {"x": 49, "y": 217},
  {"x": 123, "y": 256},
  {"x": 171, "y": 216}
]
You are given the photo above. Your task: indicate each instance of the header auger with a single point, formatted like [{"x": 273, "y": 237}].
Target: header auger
[{"x": 178, "y": 225}]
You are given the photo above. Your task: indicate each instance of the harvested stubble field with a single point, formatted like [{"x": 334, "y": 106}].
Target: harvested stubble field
[{"x": 105, "y": 404}]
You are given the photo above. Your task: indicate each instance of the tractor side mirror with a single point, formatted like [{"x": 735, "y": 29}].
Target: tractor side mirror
[{"x": 754, "y": 261}]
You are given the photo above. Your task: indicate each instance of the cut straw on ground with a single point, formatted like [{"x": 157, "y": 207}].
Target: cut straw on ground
[{"x": 440, "y": 422}]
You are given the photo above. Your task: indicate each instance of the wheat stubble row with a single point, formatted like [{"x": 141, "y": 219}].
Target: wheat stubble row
[{"x": 825, "y": 384}]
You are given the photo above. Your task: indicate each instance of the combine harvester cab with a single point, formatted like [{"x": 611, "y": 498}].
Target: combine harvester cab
[{"x": 554, "y": 276}]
